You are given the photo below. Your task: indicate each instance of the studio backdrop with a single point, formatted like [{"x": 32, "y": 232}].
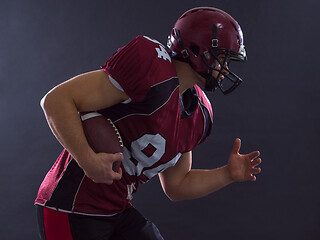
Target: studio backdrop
[{"x": 275, "y": 111}]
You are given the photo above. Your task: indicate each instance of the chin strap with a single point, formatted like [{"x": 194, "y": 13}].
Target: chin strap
[
  {"x": 184, "y": 51},
  {"x": 211, "y": 82},
  {"x": 215, "y": 41}
]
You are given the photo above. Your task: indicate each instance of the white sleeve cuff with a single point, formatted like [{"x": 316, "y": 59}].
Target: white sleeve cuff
[{"x": 117, "y": 85}]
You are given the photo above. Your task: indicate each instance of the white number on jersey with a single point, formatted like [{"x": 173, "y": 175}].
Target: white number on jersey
[
  {"x": 159, "y": 144},
  {"x": 162, "y": 52}
]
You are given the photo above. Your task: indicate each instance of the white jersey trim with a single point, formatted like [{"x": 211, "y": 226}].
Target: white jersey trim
[
  {"x": 90, "y": 115},
  {"x": 118, "y": 86},
  {"x": 75, "y": 197},
  {"x": 80, "y": 213}
]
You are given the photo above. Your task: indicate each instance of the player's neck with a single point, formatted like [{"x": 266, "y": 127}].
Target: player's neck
[{"x": 186, "y": 75}]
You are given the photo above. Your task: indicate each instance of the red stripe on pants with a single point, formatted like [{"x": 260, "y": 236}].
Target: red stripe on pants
[{"x": 56, "y": 225}]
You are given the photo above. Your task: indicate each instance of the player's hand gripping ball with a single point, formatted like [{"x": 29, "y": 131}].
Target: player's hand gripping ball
[{"x": 102, "y": 135}]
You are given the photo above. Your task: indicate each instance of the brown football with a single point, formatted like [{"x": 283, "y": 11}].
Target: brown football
[{"x": 102, "y": 135}]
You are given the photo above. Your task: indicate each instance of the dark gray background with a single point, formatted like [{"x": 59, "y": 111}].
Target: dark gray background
[{"x": 43, "y": 43}]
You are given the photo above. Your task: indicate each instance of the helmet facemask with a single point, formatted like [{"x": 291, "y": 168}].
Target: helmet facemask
[{"x": 230, "y": 81}]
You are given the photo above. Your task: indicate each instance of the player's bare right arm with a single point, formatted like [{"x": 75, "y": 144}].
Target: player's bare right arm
[
  {"x": 86, "y": 92},
  {"x": 180, "y": 182}
]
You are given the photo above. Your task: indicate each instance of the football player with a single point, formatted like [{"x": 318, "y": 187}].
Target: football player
[{"x": 152, "y": 95}]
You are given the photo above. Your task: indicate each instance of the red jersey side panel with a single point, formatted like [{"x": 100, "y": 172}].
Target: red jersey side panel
[{"x": 53, "y": 176}]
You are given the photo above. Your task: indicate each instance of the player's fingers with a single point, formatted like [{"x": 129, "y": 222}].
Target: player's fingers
[
  {"x": 111, "y": 156},
  {"x": 106, "y": 181},
  {"x": 109, "y": 182},
  {"x": 253, "y": 178},
  {"x": 120, "y": 171},
  {"x": 118, "y": 157},
  {"x": 254, "y": 154},
  {"x": 236, "y": 146},
  {"x": 256, "y": 170},
  {"x": 256, "y": 162},
  {"x": 116, "y": 166},
  {"x": 116, "y": 175}
]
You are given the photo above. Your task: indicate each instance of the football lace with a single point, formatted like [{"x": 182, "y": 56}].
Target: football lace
[{"x": 117, "y": 132}]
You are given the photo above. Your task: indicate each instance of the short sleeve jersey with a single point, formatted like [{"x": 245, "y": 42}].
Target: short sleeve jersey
[{"x": 156, "y": 124}]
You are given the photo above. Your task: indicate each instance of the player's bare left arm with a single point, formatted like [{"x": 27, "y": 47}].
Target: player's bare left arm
[
  {"x": 86, "y": 92},
  {"x": 180, "y": 182}
]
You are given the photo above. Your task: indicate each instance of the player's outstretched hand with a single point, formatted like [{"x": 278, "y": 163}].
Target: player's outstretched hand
[
  {"x": 243, "y": 167},
  {"x": 99, "y": 168}
]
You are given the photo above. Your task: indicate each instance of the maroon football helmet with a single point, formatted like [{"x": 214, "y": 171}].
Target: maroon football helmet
[{"x": 199, "y": 36}]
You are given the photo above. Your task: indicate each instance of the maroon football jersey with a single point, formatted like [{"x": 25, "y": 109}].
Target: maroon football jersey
[{"x": 156, "y": 124}]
